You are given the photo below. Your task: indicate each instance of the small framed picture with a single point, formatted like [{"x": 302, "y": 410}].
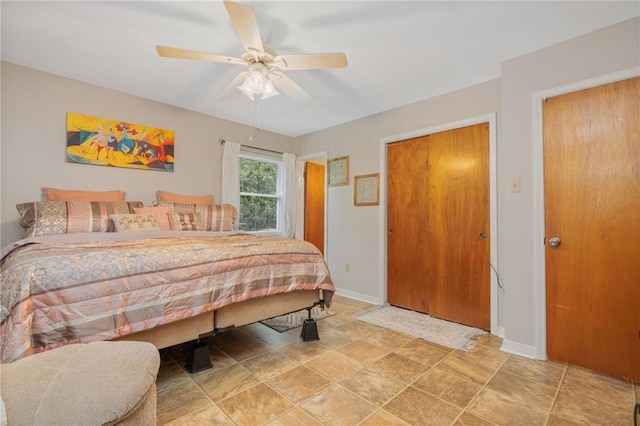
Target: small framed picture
[
  {"x": 366, "y": 190},
  {"x": 338, "y": 171}
]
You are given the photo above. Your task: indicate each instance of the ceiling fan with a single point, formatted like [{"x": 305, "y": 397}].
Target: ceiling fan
[{"x": 261, "y": 61}]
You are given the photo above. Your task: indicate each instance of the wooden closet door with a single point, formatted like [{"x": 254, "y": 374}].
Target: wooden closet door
[
  {"x": 438, "y": 225},
  {"x": 458, "y": 226},
  {"x": 407, "y": 204},
  {"x": 592, "y": 204}
]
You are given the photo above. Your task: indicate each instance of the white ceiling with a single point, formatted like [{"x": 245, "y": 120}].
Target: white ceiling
[{"x": 398, "y": 52}]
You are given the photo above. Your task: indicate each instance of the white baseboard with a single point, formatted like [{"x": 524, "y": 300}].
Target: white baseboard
[
  {"x": 501, "y": 332},
  {"x": 520, "y": 349},
  {"x": 359, "y": 296}
]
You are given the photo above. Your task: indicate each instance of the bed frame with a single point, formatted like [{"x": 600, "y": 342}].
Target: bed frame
[
  {"x": 235, "y": 308},
  {"x": 234, "y": 315}
]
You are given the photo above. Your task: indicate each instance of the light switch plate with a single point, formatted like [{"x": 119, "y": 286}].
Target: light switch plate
[{"x": 515, "y": 184}]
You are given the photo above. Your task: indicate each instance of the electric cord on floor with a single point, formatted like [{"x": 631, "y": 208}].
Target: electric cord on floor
[{"x": 497, "y": 276}]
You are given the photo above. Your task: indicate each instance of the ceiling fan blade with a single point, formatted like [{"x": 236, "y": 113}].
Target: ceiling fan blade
[
  {"x": 290, "y": 88},
  {"x": 232, "y": 89},
  {"x": 244, "y": 20},
  {"x": 313, "y": 61},
  {"x": 174, "y": 52}
]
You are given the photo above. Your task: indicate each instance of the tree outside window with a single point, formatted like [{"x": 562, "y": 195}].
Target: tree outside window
[{"x": 260, "y": 194}]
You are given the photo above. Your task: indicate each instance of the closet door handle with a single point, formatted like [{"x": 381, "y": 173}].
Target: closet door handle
[{"x": 483, "y": 235}]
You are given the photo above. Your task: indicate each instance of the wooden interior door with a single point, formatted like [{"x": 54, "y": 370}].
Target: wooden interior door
[
  {"x": 592, "y": 205},
  {"x": 438, "y": 218},
  {"x": 407, "y": 204},
  {"x": 458, "y": 224},
  {"x": 314, "y": 204}
]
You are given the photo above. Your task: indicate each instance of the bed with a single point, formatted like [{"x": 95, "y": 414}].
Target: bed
[{"x": 165, "y": 287}]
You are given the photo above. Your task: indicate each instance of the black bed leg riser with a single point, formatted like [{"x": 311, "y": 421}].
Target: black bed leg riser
[
  {"x": 198, "y": 358},
  {"x": 309, "y": 330}
]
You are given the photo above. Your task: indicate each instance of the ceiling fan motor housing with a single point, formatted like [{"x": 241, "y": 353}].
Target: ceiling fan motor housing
[{"x": 266, "y": 57}]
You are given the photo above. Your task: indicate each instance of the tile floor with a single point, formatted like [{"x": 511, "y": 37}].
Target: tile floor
[{"x": 361, "y": 374}]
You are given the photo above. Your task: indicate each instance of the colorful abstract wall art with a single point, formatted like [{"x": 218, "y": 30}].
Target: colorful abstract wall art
[{"x": 106, "y": 142}]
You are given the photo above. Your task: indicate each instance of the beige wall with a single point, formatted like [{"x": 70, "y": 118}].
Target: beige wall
[
  {"x": 353, "y": 231},
  {"x": 34, "y": 108}
]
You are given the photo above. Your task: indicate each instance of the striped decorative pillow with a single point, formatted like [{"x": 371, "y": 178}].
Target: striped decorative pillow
[
  {"x": 69, "y": 217},
  {"x": 215, "y": 217},
  {"x": 185, "y": 221}
]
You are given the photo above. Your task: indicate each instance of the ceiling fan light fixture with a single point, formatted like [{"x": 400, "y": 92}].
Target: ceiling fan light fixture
[
  {"x": 244, "y": 88},
  {"x": 256, "y": 83},
  {"x": 269, "y": 90}
]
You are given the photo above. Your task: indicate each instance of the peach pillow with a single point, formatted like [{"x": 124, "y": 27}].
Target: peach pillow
[
  {"x": 170, "y": 197},
  {"x": 54, "y": 194},
  {"x": 161, "y": 213}
]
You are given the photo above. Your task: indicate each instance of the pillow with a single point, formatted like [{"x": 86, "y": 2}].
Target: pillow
[
  {"x": 133, "y": 222},
  {"x": 170, "y": 197},
  {"x": 69, "y": 217},
  {"x": 184, "y": 221},
  {"x": 214, "y": 217},
  {"x": 53, "y": 194},
  {"x": 161, "y": 215}
]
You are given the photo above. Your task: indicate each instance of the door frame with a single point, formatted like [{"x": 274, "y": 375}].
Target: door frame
[
  {"x": 540, "y": 282},
  {"x": 493, "y": 204},
  {"x": 300, "y": 160}
]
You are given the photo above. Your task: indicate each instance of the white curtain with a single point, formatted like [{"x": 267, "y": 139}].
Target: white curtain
[
  {"x": 290, "y": 194},
  {"x": 230, "y": 176}
]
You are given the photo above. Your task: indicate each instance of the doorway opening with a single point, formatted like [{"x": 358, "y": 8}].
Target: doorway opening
[{"x": 312, "y": 200}]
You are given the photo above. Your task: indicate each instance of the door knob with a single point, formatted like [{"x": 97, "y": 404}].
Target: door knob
[{"x": 554, "y": 241}]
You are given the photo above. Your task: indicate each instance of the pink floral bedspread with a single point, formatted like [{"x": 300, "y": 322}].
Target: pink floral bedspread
[{"x": 56, "y": 293}]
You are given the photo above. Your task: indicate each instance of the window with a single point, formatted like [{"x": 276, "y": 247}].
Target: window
[{"x": 261, "y": 193}]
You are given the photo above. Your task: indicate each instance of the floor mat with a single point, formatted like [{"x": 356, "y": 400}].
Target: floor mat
[{"x": 416, "y": 324}]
